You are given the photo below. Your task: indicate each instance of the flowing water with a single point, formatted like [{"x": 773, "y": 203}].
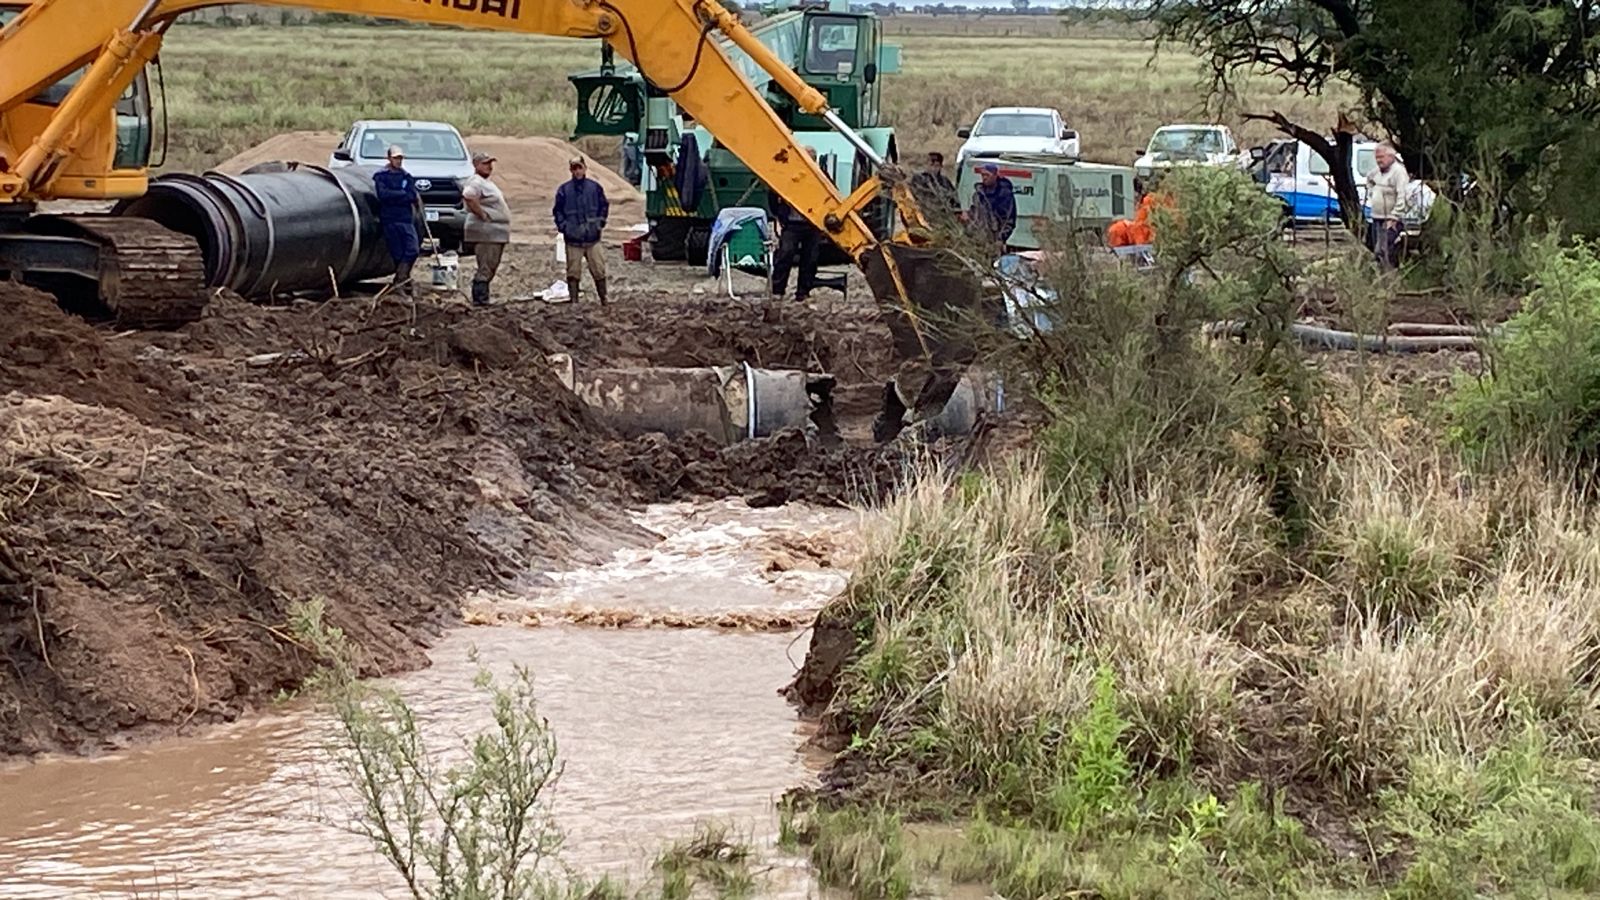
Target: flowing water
[{"x": 658, "y": 729}]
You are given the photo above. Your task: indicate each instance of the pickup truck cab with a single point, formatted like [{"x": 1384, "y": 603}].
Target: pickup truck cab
[
  {"x": 1298, "y": 176},
  {"x": 1203, "y": 145},
  {"x": 1017, "y": 129},
  {"x": 435, "y": 154}
]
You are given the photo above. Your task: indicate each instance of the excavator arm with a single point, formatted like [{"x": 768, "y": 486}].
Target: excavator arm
[
  {"x": 672, "y": 43},
  {"x": 65, "y": 150}
]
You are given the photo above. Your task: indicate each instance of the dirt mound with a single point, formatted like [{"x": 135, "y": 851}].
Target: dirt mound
[
  {"x": 528, "y": 169},
  {"x": 154, "y": 539},
  {"x": 147, "y": 575},
  {"x": 292, "y": 146},
  {"x": 43, "y": 351}
]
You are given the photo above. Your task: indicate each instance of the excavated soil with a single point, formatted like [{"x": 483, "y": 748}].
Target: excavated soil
[
  {"x": 166, "y": 496},
  {"x": 528, "y": 170}
]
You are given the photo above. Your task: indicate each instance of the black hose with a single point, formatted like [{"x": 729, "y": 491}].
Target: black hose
[
  {"x": 166, "y": 128},
  {"x": 633, "y": 48}
]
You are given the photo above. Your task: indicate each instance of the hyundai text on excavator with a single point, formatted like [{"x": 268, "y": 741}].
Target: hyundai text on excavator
[{"x": 75, "y": 124}]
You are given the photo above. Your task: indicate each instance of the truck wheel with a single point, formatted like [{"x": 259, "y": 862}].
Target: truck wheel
[
  {"x": 697, "y": 245},
  {"x": 667, "y": 238}
]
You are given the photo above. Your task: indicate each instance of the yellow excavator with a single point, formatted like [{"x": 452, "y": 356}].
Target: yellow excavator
[{"x": 75, "y": 125}]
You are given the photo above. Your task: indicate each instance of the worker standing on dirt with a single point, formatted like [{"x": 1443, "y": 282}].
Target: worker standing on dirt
[
  {"x": 488, "y": 227},
  {"x": 993, "y": 215},
  {"x": 1388, "y": 187},
  {"x": 580, "y": 212},
  {"x": 798, "y": 239},
  {"x": 933, "y": 188},
  {"x": 399, "y": 208}
]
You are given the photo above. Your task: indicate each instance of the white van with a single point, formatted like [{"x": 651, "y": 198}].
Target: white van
[
  {"x": 1297, "y": 175},
  {"x": 435, "y": 154}
]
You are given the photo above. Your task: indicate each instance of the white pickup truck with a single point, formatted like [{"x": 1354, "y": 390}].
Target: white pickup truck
[
  {"x": 435, "y": 154},
  {"x": 1198, "y": 145},
  {"x": 1017, "y": 129}
]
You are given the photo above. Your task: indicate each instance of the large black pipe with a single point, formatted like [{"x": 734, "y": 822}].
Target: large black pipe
[{"x": 266, "y": 233}]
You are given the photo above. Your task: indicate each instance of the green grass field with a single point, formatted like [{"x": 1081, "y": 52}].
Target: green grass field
[{"x": 229, "y": 88}]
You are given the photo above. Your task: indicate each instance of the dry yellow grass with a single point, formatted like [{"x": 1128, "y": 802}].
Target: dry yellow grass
[{"x": 230, "y": 87}]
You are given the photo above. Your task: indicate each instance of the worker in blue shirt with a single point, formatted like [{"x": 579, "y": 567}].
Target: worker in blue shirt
[
  {"x": 399, "y": 206},
  {"x": 993, "y": 213}
]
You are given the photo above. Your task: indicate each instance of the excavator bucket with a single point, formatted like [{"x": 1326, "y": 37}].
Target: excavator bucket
[{"x": 932, "y": 300}]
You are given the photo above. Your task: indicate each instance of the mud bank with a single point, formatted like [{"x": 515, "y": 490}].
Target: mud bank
[{"x": 167, "y": 496}]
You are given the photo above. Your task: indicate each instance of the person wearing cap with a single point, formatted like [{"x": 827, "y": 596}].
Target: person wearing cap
[
  {"x": 399, "y": 208},
  {"x": 488, "y": 227},
  {"x": 993, "y": 215},
  {"x": 580, "y": 212}
]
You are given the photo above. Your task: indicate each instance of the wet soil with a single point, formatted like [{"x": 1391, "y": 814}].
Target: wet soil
[
  {"x": 166, "y": 496},
  {"x": 657, "y": 728}
]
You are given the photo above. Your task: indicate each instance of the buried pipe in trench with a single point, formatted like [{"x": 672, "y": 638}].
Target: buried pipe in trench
[
  {"x": 728, "y": 403},
  {"x": 263, "y": 233},
  {"x": 738, "y": 403}
]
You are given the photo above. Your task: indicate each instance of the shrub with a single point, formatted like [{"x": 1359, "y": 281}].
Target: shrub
[
  {"x": 480, "y": 828},
  {"x": 1541, "y": 394},
  {"x": 1125, "y": 369}
]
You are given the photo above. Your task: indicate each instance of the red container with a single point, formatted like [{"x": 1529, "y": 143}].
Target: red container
[{"x": 633, "y": 249}]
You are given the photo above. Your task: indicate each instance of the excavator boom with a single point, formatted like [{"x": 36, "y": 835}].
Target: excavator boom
[
  {"x": 670, "y": 42},
  {"x": 67, "y": 148}
]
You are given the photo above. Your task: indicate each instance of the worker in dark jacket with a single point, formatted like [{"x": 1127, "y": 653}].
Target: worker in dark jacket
[
  {"x": 993, "y": 215},
  {"x": 798, "y": 241},
  {"x": 399, "y": 206},
  {"x": 581, "y": 211},
  {"x": 934, "y": 190}
]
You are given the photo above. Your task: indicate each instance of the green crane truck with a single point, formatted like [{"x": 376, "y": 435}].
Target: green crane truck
[{"x": 838, "y": 52}]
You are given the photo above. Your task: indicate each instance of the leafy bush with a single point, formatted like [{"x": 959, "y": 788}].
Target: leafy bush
[
  {"x": 476, "y": 829},
  {"x": 1126, "y": 371},
  {"x": 1541, "y": 393}
]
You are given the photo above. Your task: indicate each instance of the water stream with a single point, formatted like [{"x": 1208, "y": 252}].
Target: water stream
[{"x": 658, "y": 728}]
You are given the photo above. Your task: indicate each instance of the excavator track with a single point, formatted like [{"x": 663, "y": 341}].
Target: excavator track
[{"x": 149, "y": 276}]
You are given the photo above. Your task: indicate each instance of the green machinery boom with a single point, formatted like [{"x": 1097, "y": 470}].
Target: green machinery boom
[{"x": 838, "y": 52}]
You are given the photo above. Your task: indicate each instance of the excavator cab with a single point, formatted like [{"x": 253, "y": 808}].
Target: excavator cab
[
  {"x": 126, "y": 270},
  {"x": 121, "y": 145}
]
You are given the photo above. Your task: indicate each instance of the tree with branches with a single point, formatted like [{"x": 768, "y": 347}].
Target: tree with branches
[{"x": 1486, "y": 87}]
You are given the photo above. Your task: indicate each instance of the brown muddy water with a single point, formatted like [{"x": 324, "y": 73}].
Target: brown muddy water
[{"x": 658, "y": 728}]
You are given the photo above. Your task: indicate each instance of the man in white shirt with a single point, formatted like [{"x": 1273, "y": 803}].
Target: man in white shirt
[
  {"x": 1388, "y": 187},
  {"x": 488, "y": 227}
]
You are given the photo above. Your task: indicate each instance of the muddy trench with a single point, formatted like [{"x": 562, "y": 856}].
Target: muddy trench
[
  {"x": 659, "y": 728},
  {"x": 425, "y": 471}
]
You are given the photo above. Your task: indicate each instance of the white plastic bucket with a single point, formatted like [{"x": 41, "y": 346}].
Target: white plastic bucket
[{"x": 444, "y": 271}]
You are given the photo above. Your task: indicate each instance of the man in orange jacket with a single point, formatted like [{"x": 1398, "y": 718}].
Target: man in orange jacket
[{"x": 1138, "y": 230}]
